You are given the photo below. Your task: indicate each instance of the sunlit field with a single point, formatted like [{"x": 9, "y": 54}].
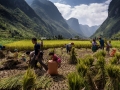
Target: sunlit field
[{"x": 27, "y": 44}]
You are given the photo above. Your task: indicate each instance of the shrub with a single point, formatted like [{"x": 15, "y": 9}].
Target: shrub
[
  {"x": 82, "y": 69},
  {"x": 114, "y": 60},
  {"x": 73, "y": 58},
  {"x": 11, "y": 83},
  {"x": 113, "y": 71},
  {"x": 101, "y": 76},
  {"x": 88, "y": 60},
  {"x": 28, "y": 81},
  {"x": 99, "y": 54},
  {"x": 114, "y": 78},
  {"x": 75, "y": 81},
  {"x": 117, "y": 55}
]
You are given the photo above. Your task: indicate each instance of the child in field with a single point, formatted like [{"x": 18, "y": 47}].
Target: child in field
[
  {"x": 108, "y": 46},
  {"x": 23, "y": 58},
  {"x": 55, "y": 58}
]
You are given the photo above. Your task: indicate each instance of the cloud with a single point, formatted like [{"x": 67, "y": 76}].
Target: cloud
[{"x": 92, "y": 14}]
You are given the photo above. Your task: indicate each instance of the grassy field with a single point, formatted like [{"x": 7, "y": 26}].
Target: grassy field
[
  {"x": 27, "y": 44},
  {"x": 6, "y": 41}
]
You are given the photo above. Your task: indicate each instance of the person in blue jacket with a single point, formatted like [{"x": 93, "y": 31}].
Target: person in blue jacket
[{"x": 101, "y": 41}]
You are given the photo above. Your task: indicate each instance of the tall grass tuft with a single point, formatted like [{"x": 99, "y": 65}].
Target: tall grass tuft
[
  {"x": 114, "y": 60},
  {"x": 75, "y": 81},
  {"x": 117, "y": 55},
  {"x": 81, "y": 69},
  {"x": 29, "y": 80},
  {"x": 88, "y": 60},
  {"x": 73, "y": 58},
  {"x": 99, "y": 54},
  {"x": 114, "y": 77},
  {"x": 11, "y": 83}
]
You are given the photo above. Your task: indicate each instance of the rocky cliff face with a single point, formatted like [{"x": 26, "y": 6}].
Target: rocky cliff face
[
  {"x": 74, "y": 24},
  {"x": 84, "y": 30},
  {"x": 50, "y": 14},
  {"x": 19, "y": 20},
  {"x": 111, "y": 26}
]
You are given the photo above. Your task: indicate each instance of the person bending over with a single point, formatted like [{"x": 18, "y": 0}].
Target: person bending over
[{"x": 55, "y": 58}]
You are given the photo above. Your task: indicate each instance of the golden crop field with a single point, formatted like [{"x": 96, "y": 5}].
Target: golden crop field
[{"x": 27, "y": 44}]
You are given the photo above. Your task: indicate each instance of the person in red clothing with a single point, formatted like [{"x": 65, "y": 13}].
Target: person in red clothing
[{"x": 54, "y": 57}]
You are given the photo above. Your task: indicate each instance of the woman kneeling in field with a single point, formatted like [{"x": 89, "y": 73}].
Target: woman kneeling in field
[{"x": 54, "y": 57}]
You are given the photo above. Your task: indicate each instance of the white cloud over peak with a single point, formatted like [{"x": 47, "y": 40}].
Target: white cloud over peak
[{"x": 92, "y": 14}]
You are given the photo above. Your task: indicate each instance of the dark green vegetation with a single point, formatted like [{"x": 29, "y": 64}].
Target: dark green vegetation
[
  {"x": 111, "y": 26},
  {"x": 96, "y": 73},
  {"x": 18, "y": 20},
  {"x": 50, "y": 14}
]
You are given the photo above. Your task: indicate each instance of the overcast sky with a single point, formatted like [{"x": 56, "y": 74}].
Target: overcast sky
[{"x": 87, "y": 14}]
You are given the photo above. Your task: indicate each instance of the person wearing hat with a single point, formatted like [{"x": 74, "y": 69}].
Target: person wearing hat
[
  {"x": 69, "y": 47},
  {"x": 23, "y": 58}
]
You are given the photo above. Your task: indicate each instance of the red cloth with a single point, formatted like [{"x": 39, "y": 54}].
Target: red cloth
[{"x": 56, "y": 58}]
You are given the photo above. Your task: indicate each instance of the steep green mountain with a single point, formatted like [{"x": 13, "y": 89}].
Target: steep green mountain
[
  {"x": 111, "y": 26},
  {"x": 74, "y": 24},
  {"x": 50, "y": 14},
  {"x": 18, "y": 20}
]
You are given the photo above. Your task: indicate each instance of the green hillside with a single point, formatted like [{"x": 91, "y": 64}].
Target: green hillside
[
  {"x": 111, "y": 26},
  {"x": 50, "y": 14},
  {"x": 17, "y": 22}
]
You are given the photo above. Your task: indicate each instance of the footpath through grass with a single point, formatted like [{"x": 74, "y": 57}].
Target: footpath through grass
[{"x": 27, "y": 44}]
